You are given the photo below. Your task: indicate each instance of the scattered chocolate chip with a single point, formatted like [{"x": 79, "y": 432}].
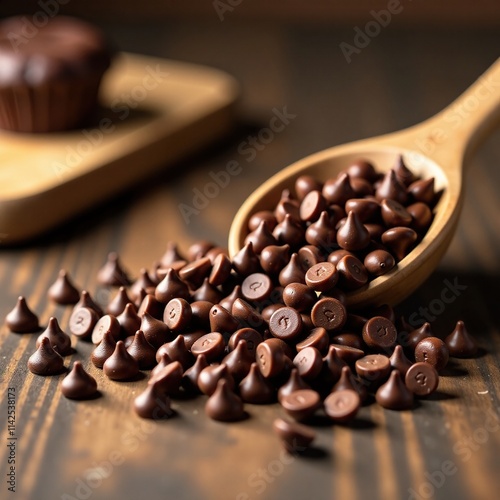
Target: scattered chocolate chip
[
  {"x": 82, "y": 322},
  {"x": 394, "y": 395},
  {"x": 129, "y": 320},
  {"x": 107, "y": 323},
  {"x": 318, "y": 338},
  {"x": 78, "y": 384},
  {"x": 352, "y": 272},
  {"x": 153, "y": 404},
  {"x": 155, "y": 331},
  {"x": 104, "y": 350},
  {"x": 239, "y": 360},
  {"x": 285, "y": 323},
  {"x": 433, "y": 351},
  {"x": 22, "y": 319},
  {"x": 143, "y": 282},
  {"x": 211, "y": 345},
  {"x": 210, "y": 376},
  {"x": 348, "y": 381},
  {"x": 322, "y": 277},
  {"x": 190, "y": 378},
  {"x": 45, "y": 360},
  {"x": 255, "y": 389},
  {"x": 224, "y": 404},
  {"x": 120, "y": 365},
  {"x": 167, "y": 379},
  {"x": 329, "y": 313},
  {"x": 373, "y": 367},
  {"x": 296, "y": 438},
  {"x": 399, "y": 240},
  {"x": 271, "y": 359},
  {"x": 58, "y": 339},
  {"x": 177, "y": 315},
  {"x": 399, "y": 361},
  {"x": 353, "y": 235},
  {"x": 342, "y": 406},
  {"x": 63, "y": 291},
  {"x": 422, "y": 379},
  {"x": 460, "y": 343},
  {"x": 379, "y": 262},
  {"x": 86, "y": 300},
  {"x": 112, "y": 273},
  {"x": 196, "y": 271},
  {"x": 379, "y": 333},
  {"x": 274, "y": 258},
  {"x": 142, "y": 351},
  {"x": 177, "y": 351},
  {"x": 301, "y": 404},
  {"x": 171, "y": 287},
  {"x": 120, "y": 300},
  {"x": 309, "y": 363}
]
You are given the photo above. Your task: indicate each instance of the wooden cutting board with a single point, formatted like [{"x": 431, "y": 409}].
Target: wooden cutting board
[{"x": 154, "y": 112}]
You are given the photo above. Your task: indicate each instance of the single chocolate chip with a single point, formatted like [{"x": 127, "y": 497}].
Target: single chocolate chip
[
  {"x": 404, "y": 175},
  {"x": 129, "y": 320},
  {"x": 153, "y": 404},
  {"x": 150, "y": 305},
  {"x": 285, "y": 323},
  {"x": 299, "y": 296},
  {"x": 256, "y": 287},
  {"x": 210, "y": 376},
  {"x": 312, "y": 205},
  {"x": 352, "y": 272},
  {"x": 294, "y": 383},
  {"x": 112, "y": 273},
  {"x": 207, "y": 292},
  {"x": 239, "y": 360},
  {"x": 177, "y": 315},
  {"x": 322, "y": 233},
  {"x": 221, "y": 270},
  {"x": 63, "y": 291},
  {"x": 399, "y": 240},
  {"x": 399, "y": 361},
  {"x": 423, "y": 190},
  {"x": 121, "y": 365},
  {"x": 86, "y": 300},
  {"x": 271, "y": 359},
  {"x": 338, "y": 190},
  {"x": 222, "y": 321},
  {"x": 309, "y": 255},
  {"x": 155, "y": 331},
  {"x": 421, "y": 216},
  {"x": 195, "y": 272},
  {"x": 45, "y": 360},
  {"x": 394, "y": 214},
  {"x": 342, "y": 406},
  {"x": 190, "y": 378},
  {"x": 171, "y": 287},
  {"x": 318, "y": 338},
  {"x": 390, "y": 188},
  {"x": 286, "y": 206},
  {"x": 394, "y": 395},
  {"x": 296, "y": 438},
  {"x": 415, "y": 336},
  {"x": 142, "y": 351},
  {"x": 22, "y": 319},
  {"x": 349, "y": 382},
  {"x": 252, "y": 338},
  {"x": 290, "y": 232},
  {"x": 144, "y": 282},
  {"x": 335, "y": 256},
  {"x": 200, "y": 313},
  {"x": 107, "y": 323},
  {"x": 422, "y": 379},
  {"x": 224, "y": 404},
  {"x": 82, "y": 322},
  {"x": 171, "y": 255},
  {"x": 433, "y": 351},
  {"x": 246, "y": 314},
  {"x": 304, "y": 184},
  {"x": 460, "y": 343},
  {"x": 104, "y": 350},
  {"x": 274, "y": 258},
  {"x": 58, "y": 339},
  {"x": 373, "y": 367},
  {"x": 78, "y": 384},
  {"x": 211, "y": 345},
  {"x": 258, "y": 217},
  {"x": 246, "y": 261},
  {"x": 119, "y": 301},
  {"x": 255, "y": 389},
  {"x": 167, "y": 379},
  {"x": 362, "y": 169},
  {"x": 309, "y": 363},
  {"x": 362, "y": 187},
  {"x": 177, "y": 351},
  {"x": 379, "y": 262},
  {"x": 292, "y": 272},
  {"x": 379, "y": 333},
  {"x": 301, "y": 404},
  {"x": 366, "y": 209},
  {"x": 347, "y": 354},
  {"x": 261, "y": 237},
  {"x": 353, "y": 235},
  {"x": 322, "y": 277},
  {"x": 329, "y": 313}
]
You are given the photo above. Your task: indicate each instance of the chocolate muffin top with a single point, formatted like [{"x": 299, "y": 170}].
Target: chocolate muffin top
[{"x": 63, "y": 49}]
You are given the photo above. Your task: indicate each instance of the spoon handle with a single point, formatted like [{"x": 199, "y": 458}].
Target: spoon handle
[{"x": 451, "y": 136}]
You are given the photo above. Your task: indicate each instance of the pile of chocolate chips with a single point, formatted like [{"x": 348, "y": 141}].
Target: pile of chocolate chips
[{"x": 271, "y": 324}]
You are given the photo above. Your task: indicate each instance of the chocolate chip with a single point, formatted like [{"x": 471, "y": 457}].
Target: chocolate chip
[
  {"x": 120, "y": 300},
  {"x": 399, "y": 240},
  {"x": 199, "y": 249},
  {"x": 353, "y": 235},
  {"x": 246, "y": 261},
  {"x": 271, "y": 359},
  {"x": 422, "y": 379},
  {"x": 121, "y": 365},
  {"x": 151, "y": 306},
  {"x": 171, "y": 287},
  {"x": 399, "y": 361},
  {"x": 421, "y": 216},
  {"x": 261, "y": 237},
  {"x": 318, "y": 338},
  {"x": 178, "y": 314},
  {"x": 335, "y": 256},
  {"x": 86, "y": 300},
  {"x": 63, "y": 291},
  {"x": 195, "y": 272},
  {"x": 322, "y": 277},
  {"x": 394, "y": 394},
  {"x": 221, "y": 270},
  {"x": 143, "y": 282},
  {"x": 379, "y": 262},
  {"x": 171, "y": 255},
  {"x": 309, "y": 363},
  {"x": 22, "y": 319},
  {"x": 312, "y": 205},
  {"x": 263, "y": 215},
  {"x": 415, "y": 336},
  {"x": 222, "y": 321},
  {"x": 45, "y": 360},
  {"x": 153, "y": 404},
  {"x": 177, "y": 351},
  {"x": 286, "y": 206},
  {"x": 433, "y": 351},
  {"x": 404, "y": 175},
  {"x": 246, "y": 314},
  {"x": 294, "y": 383},
  {"x": 142, "y": 351},
  {"x": 129, "y": 320},
  {"x": 207, "y": 292},
  {"x": 329, "y": 313},
  {"x": 390, "y": 188},
  {"x": 460, "y": 343},
  {"x": 274, "y": 258},
  {"x": 155, "y": 331},
  {"x": 104, "y": 350},
  {"x": 338, "y": 190},
  {"x": 167, "y": 379},
  {"x": 290, "y": 232},
  {"x": 309, "y": 255},
  {"x": 342, "y": 406},
  {"x": 256, "y": 287},
  {"x": 190, "y": 378},
  {"x": 285, "y": 323},
  {"x": 352, "y": 272},
  {"x": 299, "y": 296},
  {"x": 211, "y": 345},
  {"x": 255, "y": 389},
  {"x": 379, "y": 333},
  {"x": 224, "y": 404},
  {"x": 348, "y": 354},
  {"x": 373, "y": 367},
  {"x": 107, "y": 323},
  {"x": 252, "y": 339},
  {"x": 362, "y": 169},
  {"x": 58, "y": 339},
  {"x": 366, "y": 209},
  {"x": 301, "y": 404},
  {"x": 292, "y": 272},
  {"x": 210, "y": 376},
  {"x": 78, "y": 384},
  {"x": 82, "y": 322},
  {"x": 304, "y": 184},
  {"x": 112, "y": 273},
  {"x": 423, "y": 190},
  {"x": 349, "y": 382}
]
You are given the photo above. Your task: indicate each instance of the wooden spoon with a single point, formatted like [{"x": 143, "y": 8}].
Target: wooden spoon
[{"x": 439, "y": 147}]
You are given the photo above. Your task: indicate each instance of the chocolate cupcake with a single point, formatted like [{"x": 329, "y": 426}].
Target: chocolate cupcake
[{"x": 49, "y": 76}]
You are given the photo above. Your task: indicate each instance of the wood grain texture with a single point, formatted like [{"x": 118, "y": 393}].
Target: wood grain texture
[{"x": 400, "y": 79}]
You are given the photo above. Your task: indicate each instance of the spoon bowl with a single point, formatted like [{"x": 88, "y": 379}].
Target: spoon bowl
[{"x": 439, "y": 147}]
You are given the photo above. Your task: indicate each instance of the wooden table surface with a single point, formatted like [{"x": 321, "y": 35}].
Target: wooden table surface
[{"x": 448, "y": 448}]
